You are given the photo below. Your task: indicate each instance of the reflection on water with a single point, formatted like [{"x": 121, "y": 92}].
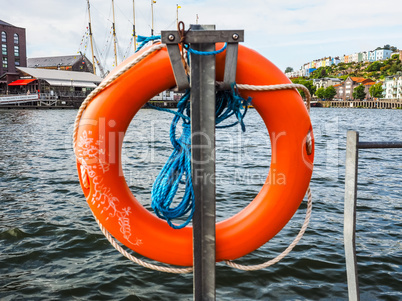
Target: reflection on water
[{"x": 51, "y": 247}]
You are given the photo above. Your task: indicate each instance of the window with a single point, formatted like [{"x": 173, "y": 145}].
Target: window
[
  {"x": 16, "y": 39},
  {"x": 4, "y": 49},
  {"x": 3, "y": 36},
  {"x": 17, "y": 62},
  {"x": 5, "y": 62},
  {"x": 16, "y": 50}
]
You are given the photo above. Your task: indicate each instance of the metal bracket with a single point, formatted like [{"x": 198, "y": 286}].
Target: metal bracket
[
  {"x": 179, "y": 72},
  {"x": 196, "y": 36}
]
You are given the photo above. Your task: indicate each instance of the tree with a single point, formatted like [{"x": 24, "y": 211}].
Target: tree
[
  {"x": 358, "y": 92},
  {"x": 376, "y": 90},
  {"x": 395, "y": 68},
  {"x": 288, "y": 69},
  {"x": 330, "y": 93},
  {"x": 375, "y": 66},
  {"x": 320, "y": 92},
  {"x": 307, "y": 83},
  {"x": 319, "y": 73}
]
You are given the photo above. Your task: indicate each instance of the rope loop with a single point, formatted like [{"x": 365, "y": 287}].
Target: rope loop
[
  {"x": 191, "y": 50},
  {"x": 182, "y": 34}
]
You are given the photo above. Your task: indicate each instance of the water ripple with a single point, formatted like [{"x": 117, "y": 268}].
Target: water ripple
[{"x": 51, "y": 247}]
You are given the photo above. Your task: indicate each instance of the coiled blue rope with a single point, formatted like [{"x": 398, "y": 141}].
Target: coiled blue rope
[
  {"x": 144, "y": 40},
  {"x": 177, "y": 169}
]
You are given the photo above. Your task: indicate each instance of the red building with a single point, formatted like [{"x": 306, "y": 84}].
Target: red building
[
  {"x": 13, "y": 53},
  {"x": 345, "y": 89}
]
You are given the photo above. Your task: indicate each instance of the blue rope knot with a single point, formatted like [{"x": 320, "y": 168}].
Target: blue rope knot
[
  {"x": 177, "y": 169},
  {"x": 144, "y": 40}
]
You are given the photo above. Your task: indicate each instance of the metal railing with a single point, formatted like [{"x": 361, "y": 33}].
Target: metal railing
[{"x": 352, "y": 154}]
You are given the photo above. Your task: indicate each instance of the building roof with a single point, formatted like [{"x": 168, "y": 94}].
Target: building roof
[
  {"x": 358, "y": 79},
  {"x": 63, "y": 78},
  {"x": 51, "y": 61},
  {"x": 5, "y": 23}
]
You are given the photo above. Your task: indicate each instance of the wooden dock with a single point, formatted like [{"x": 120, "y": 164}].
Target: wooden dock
[{"x": 366, "y": 104}]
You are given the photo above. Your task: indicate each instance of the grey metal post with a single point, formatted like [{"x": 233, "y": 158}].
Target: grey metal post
[
  {"x": 352, "y": 141},
  {"x": 202, "y": 81}
]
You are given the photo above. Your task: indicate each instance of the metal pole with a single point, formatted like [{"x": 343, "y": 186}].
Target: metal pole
[
  {"x": 134, "y": 34},
  {"x": 152, "y": 17},
  {"x": 177, "y": 14},
  {"x": 203, "y": 167},
  {"x": 349, "y": 233},
  {"x": 393, "y": 144}
]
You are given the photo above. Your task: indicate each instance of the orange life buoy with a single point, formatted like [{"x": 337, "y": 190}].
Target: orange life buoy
[{"x": 99, "y": 145}]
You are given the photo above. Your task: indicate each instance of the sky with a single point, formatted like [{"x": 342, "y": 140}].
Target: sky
[{"x": 288, "y": 32}]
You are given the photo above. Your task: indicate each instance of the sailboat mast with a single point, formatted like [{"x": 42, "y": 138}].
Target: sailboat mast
[
  {"x": 114, "y": 36},
  {"x": 90, "y": 37},
  {"x": 152, "y": 14},
  {"x": 134, "y": 35},
  {"x": 177, "y": 14}
]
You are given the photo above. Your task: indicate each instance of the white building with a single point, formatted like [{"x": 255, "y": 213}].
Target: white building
[
  {"x": 382, "y": 54},
  {"x": 294, "y": 74},
  {"x": 365, "y": 56},
  {"x": 336, "y": 60},
  {"x": 326, "y": 82},
  {"x": 392, "y": 87},
  {"x": 371, "y": 56},
  {"x": 354, "y": 58}
]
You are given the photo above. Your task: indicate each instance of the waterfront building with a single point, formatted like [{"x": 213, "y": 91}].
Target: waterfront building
[
  {"x": 339, "y": 91},
  {"x": 345, "y": 89},
  {"x": 13, "y": 53},
  {"x": 367, "y": 87},
  {"x": 392, "y": 87},
  {"x": 326, "y": 82},
  {"x": 54, "y": 84},
  {"x": 78, "y": 62}
]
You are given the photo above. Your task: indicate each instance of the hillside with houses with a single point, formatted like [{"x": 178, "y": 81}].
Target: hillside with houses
[{"x": 365, "y": 75}]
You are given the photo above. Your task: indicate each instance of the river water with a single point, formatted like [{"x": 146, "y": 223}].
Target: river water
[{"x": 51, "y": 248}]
